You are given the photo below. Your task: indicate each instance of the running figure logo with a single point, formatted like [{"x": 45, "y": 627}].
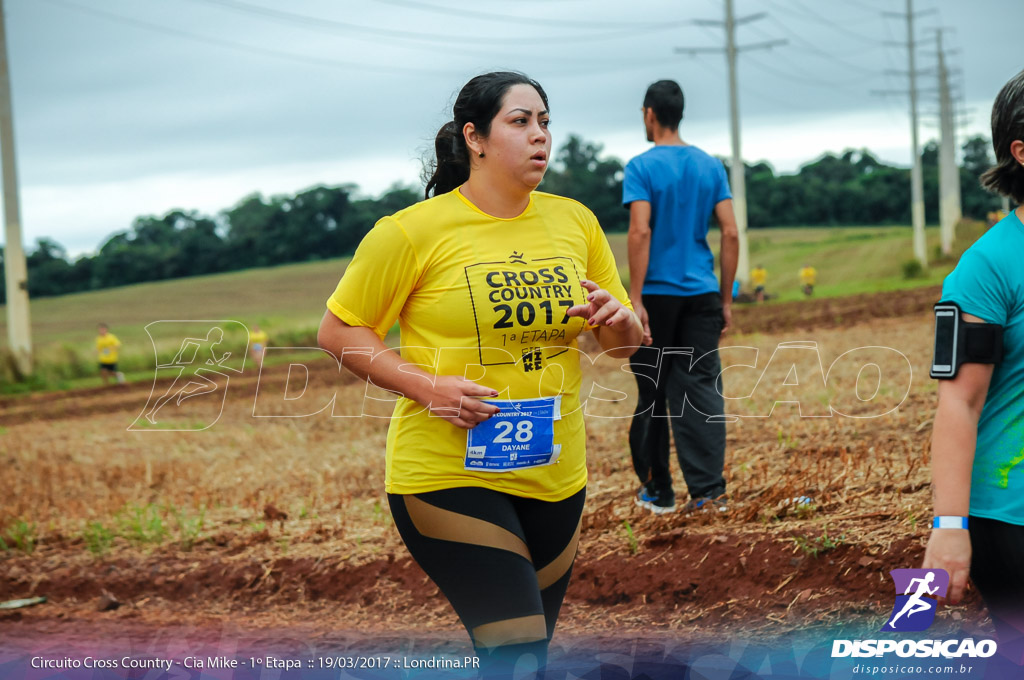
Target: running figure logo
[
  {"x": 914, "y": 609},
  {"x": 198, "y": 375}
]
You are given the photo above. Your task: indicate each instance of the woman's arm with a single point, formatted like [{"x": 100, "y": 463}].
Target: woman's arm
[
  {"x": 954, "y": 437},
  {"x": 449, "y": 397}
]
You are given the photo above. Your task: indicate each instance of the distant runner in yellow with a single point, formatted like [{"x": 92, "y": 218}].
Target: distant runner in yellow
[
  {"x": 106, "y": 346},
  {"x": 258, "y": 339},
  {"x": 808, "y": 275},
  {"x": 758, "y": 276}
]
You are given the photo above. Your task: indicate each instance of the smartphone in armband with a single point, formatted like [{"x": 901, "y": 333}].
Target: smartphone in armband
[
  {"x": 959, "y": 342},
  {"x": 947, "y": 326}
]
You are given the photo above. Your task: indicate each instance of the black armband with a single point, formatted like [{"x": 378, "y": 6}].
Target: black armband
[{"x": 960, "y": 342}]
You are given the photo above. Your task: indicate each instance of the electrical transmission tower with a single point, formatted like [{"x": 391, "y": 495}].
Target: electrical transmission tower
[
  {"x": 950, "y": 206},
  {"x": 916, "y": 175},
  {"x": 736, "y": 170}
]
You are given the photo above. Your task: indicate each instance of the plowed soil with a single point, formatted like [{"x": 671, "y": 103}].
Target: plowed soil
[{"x": 295, "y": 536}]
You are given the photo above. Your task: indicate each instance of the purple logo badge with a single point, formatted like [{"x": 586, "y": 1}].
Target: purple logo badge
[{"x": 917, "y": 592}]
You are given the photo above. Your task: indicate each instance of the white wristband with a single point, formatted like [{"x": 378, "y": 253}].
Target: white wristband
[{"x": 949, "y": 522}]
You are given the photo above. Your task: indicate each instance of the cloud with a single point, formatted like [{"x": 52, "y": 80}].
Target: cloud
[{"x": 189, "y": 104}]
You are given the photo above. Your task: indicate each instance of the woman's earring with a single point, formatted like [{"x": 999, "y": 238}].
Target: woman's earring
[{"x": 481, "y": 154}]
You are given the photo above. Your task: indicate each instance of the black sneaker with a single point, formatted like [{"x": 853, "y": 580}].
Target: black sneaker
[
  {"x": 705, "y": 504},
  {"x": 658, "y": 503}
]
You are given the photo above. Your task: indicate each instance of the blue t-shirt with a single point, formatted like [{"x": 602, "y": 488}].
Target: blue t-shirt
[
  {"x": 683, "y": 184},
  {"x": 988, "y": 282}
]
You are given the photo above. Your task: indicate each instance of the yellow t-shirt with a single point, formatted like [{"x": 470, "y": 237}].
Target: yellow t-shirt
[
  {"x": 758, "y": 276},
  {"x": 106, "y": 346},
  {"x": 258, "y": 338},
  {"x": 493, "y": 293},
  {"x": 808, "y": 275}
]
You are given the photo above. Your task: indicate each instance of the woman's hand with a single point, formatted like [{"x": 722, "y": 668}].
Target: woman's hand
[
  {"x": 456, "y": 400},
  {"x": 950, "y": 549},
  {"x": 448, "y": 397},
  {"x": 601, "y": 308}
]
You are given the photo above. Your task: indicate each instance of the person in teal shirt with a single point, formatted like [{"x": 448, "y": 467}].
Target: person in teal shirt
[{"x": 978, "y": 438}]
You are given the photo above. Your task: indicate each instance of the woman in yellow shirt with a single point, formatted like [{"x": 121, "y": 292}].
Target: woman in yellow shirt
[{"x": 491, "y": 283}]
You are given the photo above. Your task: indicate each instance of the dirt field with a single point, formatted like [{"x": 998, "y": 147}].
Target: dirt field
[{"x": 280, "y": 525}]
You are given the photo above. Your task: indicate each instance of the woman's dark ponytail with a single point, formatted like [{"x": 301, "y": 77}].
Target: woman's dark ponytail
[
  {"x": 1006, "y": 177},
  {"x": 478, "y": 103},
  {"x": 451, "y": 167}
]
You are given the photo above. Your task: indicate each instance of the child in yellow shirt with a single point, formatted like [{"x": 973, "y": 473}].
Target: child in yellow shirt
[
  {"x": 808, "y": 275},
  {"x": 106, "y": 346}
]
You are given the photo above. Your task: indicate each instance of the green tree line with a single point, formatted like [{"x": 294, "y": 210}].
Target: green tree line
[{"x": 853, "y": 188}]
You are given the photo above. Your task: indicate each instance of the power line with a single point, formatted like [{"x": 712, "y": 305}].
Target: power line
[
  {"x": 746, "y": 88},
  {"x": 815, "y": 49},
  {"x": 864, "y": 6},
  {"x": 811, "y": 78},
  {"x": 859, "y": 51},
  {"x": 810, "y": 81},
  {"x": 807, "y": 14},
  {"x": 508, "y": 18},
  {"x": 334, "y": 26},
  {"x": 241, "y": 47},
  {"x": 894, "y": 114}
]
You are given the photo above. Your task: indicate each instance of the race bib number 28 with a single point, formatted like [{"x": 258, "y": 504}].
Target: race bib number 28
[{"x": 521, "y": 436}]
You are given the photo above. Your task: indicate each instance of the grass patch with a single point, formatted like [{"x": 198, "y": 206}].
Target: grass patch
[
  {"x": 20, "y": 535},
  {"x": 634, "y": 546},
  {"x": 98, "y": 538},
  {"x": 190, "y": 526},
  {"x": 142, "y": 524},
  {"x": 813, "y": 546},
  {"x": 146, "y": 525}
]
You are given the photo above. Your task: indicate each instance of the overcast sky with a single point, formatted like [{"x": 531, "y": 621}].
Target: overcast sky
[{"x": 131, "y": 107}]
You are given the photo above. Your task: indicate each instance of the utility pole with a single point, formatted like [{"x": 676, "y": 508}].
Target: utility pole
[
  {"x": 950, "y": 209},
  {"x": 916, "y": 176},
  {"x": 737, "y": 178},
  {"x": 19, "y": 330}
]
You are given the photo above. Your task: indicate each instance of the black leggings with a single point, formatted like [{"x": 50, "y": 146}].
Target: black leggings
[
  {"x": 502, "y": 561},
  {"x": 997, "y": 570}
]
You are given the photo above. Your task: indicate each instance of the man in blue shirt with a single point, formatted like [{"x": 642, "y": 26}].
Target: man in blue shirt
[{"x": 672, "y": 191}]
